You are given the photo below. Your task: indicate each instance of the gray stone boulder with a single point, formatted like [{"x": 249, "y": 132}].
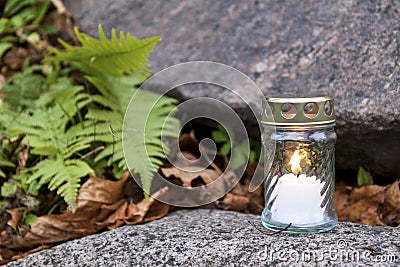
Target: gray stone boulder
[
  {"x": 221, "y": 238},
  {"x": 346, "y": 49}
]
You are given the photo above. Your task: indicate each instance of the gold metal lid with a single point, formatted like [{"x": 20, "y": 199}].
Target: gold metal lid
[{"x": 294, "y": 110}]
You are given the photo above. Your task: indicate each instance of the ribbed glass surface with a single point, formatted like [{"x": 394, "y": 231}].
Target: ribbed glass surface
[{"x": 299, "y": 185}]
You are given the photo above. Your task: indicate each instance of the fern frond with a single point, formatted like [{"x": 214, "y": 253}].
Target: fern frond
[
  {"x": 106, "y": 62},
  {"x": 115, "y": 154},
  {"x": 127, "y": 55},
  {"x": 24, "y": 87},
  {"x": 4, "y": 162},
  {"x": 104, "y": 115},
  {"x": 143, "y": 147},
  {"x": 23, "y": 12},
  {"x": 62, "y": 174},
  {"x": 88, "y": 128},
  {"x": 106, "y": 102},
  {"x": 46, "y": 128}
]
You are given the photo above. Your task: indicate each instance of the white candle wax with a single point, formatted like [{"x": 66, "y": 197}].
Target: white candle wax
[{"x": 297, "y": 199}]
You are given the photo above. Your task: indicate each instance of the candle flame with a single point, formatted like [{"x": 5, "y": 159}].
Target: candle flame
[{"x": 295, "y": 161}]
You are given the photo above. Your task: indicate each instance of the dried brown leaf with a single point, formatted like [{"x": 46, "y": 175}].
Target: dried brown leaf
[
  {"x": 392, "y": 196},
  {"x": 94, "y": 194},
  {"x": 341, "y": 198},
  {"x": 361, "y": 204},
  {"x": 23, "y": 156},
  {"x": 187, "y": 177},
  {"x": 16, "y": 217},
  {"x": 101, "y": 190},
  {"x": 15, "y": 57},
  {"x": 191, "y": 179},
  {"x": 373, "y": 193},
  {"x": 156, "y": 211},
  {"x": 240, "y": 190},
  {"x": 251, "y": 168},
  {"x": 185, "y": 143},
  {"x": 6, "y": 255},
  {"x": 4, "y": 218},
  {"x": 190, "y": 152},
  {"x": 391, "y": 208},
  {"x": 235, "y": 202},
  {"x": 130, "y": 213},
  {"x": 255, "y": 198}
]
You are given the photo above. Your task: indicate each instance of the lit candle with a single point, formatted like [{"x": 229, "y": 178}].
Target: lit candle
[
  {"x": 296, "y": 198},
  {"x": 299, "y": 147}
]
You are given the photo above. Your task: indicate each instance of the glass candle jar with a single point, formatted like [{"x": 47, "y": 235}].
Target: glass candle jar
[{"x": 299, "y": 144}]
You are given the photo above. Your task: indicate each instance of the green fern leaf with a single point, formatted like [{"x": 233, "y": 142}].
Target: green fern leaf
[
  {"x": 4, "y": 163},
  {"x": 146, "y": 146},
  {"x": 143, "y": 146},
  {"x": 24, "y": 87},
  {"x": 127, "y": 55},
  {"x": 106, "y": 62},
  {"x": 48, "y": 132},
  {"x": 104, "y": 115},
  {"x": 115, "y": 154},
  {"x": 62, "y": 174}
]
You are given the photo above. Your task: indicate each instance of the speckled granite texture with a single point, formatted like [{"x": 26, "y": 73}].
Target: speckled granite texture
[
  {"x": 222, "y": 238},
  {"x": 348, "y": 49}
]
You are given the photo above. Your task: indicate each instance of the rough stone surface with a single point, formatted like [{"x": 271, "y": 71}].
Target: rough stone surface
[
  {"x": 221, "y": 238},
  {"x": 348, "y": 49}
]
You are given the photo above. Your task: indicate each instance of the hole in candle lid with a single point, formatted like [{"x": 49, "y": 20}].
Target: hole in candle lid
[
  {"x": 288, "y": 110},
  {"x": 328, "y": 108},
  {"x": 311, "y": 110}
]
